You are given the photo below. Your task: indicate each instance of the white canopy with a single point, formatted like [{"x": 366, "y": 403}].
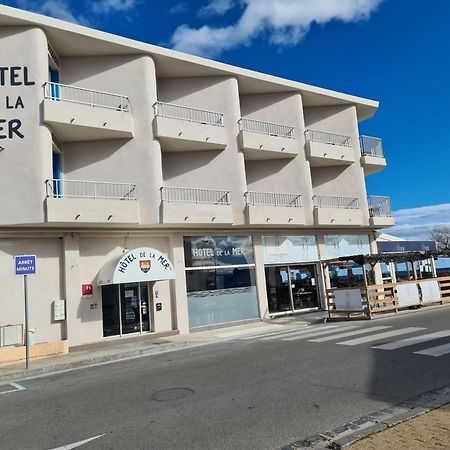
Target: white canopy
[{"x": 141, "y": 264}]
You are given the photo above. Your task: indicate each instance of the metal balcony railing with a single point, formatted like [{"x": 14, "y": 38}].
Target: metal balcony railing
[
  {"x": 324, "y": 201},
  {"x": 271, "y": 129},
  {"x": 371, "y": 146},
  {"x": 189, "y": 114},
  {"x": 273, "y": 199},
  {"x": 74, "y": 94},
  {"x": 328, "y": 138},
  {"x": 99, "y": 190},
  {"x": 195, "y": 195},
  {"x": 379, "y": 206}
]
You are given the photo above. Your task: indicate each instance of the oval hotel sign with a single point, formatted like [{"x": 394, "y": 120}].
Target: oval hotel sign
[{"x": 141, "y": 264}]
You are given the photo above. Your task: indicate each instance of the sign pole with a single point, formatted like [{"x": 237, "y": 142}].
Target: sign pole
[{"x": 27, "y": 336}]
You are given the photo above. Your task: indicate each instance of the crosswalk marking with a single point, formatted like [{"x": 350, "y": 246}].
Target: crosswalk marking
[
  {"x": 378, "y": 336},
  {"x": 317, "y": 333},
  {"x": 413, "y": 340},
  {"x": 274, "y": 333},
  {"x": 435, "y": 351},
  {"x": 314, "y": 329},
  {"x": 349, "y": 333}
]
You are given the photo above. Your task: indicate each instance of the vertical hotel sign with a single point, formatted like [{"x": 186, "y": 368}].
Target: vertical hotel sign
[{"x": 13, "y": 76}]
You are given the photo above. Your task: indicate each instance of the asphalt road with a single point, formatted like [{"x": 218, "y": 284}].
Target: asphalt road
[{"x": 247, "y": 393}]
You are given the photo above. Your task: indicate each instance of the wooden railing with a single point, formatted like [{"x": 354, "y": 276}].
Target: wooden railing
[{"x": 384, "y": 298}]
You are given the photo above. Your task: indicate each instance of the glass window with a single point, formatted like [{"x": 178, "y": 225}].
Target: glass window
[
  {"x": 212, "y": 251},
  {"x": 404, "y": 271},
  {"x": 286, "y": 249},
  {"x": 349, "y": 275},
  {"x": 442, "y": 267},
  {"x": 386, "y": 272},
  {"x": 346, "y": 245}
]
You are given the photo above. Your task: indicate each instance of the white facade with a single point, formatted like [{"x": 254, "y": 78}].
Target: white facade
[{"x": 242, "y": 181}]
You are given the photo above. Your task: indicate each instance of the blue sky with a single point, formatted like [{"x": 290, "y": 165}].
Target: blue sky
[{"x": 394, "y": 51}]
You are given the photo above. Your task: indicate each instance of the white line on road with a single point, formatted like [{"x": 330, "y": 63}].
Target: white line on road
[
  {"x": 276, "y": 333},
  {"x": 17, "y": 387},
  {"x": 378, "y": 336},
  {"x": 349, "y": 333},
  {"x": 413, "y": 341},
  {"x": 297, "y": 337},
  {"x": 435, "y": 351},
  {"x": 77, "y": 444},
  {"x": 237, "y": 333},
  {"x": 297, "y": 332}
]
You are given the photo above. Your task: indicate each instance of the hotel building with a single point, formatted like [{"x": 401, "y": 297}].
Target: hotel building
[{"x": 162, "y": 192}]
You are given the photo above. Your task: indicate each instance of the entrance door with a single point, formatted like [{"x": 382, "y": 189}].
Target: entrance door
[
  {"x": 126, "y": 309},
  {"x": 304, "y": 287},
  {"x": 278, "y": 290},
  {"x": 291, "y": 288}
]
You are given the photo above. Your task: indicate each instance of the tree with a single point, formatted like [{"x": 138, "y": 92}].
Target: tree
[{"x": 441, "y": 234}]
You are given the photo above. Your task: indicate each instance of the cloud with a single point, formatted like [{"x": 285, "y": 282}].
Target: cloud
[
  {"x": 417, "y": 223},
  {"x": 60, "y": 9},
  {"x": 216, "y": 8},
  {"x": 284, "y": 22},
  {"x": 179, "y": 8},
  {"x": 108, "y": 6}
]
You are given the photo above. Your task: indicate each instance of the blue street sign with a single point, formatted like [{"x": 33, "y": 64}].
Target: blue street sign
[{"x": 25, "y": 264}]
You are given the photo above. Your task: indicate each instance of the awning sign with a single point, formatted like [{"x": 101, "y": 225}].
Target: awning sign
[{"x": 138, "y": 265}]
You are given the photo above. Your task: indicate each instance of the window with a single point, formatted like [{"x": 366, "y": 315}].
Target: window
[{"x": 349, "y": 275}]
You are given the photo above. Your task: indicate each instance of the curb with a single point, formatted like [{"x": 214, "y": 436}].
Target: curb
[
  {"x": 24, "y": 374},
  {"x": 358, "y": 429}
]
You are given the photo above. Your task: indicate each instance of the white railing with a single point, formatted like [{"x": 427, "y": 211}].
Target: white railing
[
  {"x": 325, "y": 201},
  {"x": 90, "y": 189},
  {"x": 195, "y": 195},
  {"x": 273, "y": 199},
  {"x": 272, "y": 129},
  {"x": 379, "y": 206},
  {"x": 371, "y": 146},
  {"x": 189, "y": 114},
  {"x": 74, "y": 94},
  {"x": 328, "y": 138}
]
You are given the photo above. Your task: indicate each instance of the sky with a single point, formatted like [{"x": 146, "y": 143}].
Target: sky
[{"x": 393, "y": 51}]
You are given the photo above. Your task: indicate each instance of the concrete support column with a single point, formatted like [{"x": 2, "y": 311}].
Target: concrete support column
[
  {"x": 325, "y": 277},
  {"x": 377, "y": 267},
  {"x": 72, "y": 287},
  {"x": 180, "y": 312},
  {"x": 261, "y": 290}
]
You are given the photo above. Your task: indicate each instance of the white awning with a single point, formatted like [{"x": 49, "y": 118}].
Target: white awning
[{"x": 141, "y": 264}]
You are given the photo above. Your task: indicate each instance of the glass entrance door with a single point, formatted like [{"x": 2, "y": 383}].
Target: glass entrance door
[
  {"x": 291, "y": 288},
  {"x": 126, "y": 309},
  {"x": 304, "y": 287}
]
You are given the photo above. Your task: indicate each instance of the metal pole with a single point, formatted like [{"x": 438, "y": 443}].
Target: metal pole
[{"x": 27, "y": 341}]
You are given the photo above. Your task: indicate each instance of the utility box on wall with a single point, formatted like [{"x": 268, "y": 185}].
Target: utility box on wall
[{"x": 59, "y": 310}]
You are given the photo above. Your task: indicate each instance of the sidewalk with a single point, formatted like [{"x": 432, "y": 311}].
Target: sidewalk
[
  {"x": 137, "y": 346},
  {"x": 427, "y": 431}
]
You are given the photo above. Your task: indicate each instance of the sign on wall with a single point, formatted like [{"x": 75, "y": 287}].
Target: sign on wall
[
  {"x": 138, "y": 265},
  {"x": 25, "y": 264}
]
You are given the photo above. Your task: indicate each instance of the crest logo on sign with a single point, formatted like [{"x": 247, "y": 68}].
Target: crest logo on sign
[{"x": 145, "y": 265}]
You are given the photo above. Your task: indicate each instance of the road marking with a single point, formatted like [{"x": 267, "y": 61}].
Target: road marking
[
  {"x": 237, "y": 333},
  {"x": 295, "y": 333},
  {"x": 17, "y": 387},
  {"x": 77, "y": 444},
  {"x": 349, "y": 333},
  {"x": 319, "y": 333},
  {"x": 412, "y": 341},
  {"x": 435, "y": 351},
  {"x": 378, "y": 336},
  {"x": 274, "y": 333}
]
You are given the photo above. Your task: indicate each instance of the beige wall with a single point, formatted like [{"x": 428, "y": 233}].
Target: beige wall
[
  {"x": 43, "y": 288},
  {"x": 25, "y": 163},
  {"x": 214, "y": 169}
]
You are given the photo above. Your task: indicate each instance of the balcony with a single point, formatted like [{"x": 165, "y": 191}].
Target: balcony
[
  {"x": 337, "y": 211},
  {"x": 180, "y": 128},
  {"x": 78, "y": 114},
  {"x": 271, "y": 208},
  {"x": 266, "y": 140},
  {"x": 328, "y": 149},
  {"x": 194, "y": 206},
  {"x": 380, "y": 211},
  {"x": 91, "y": 202},
  {"x": 372, "y": 158}
]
